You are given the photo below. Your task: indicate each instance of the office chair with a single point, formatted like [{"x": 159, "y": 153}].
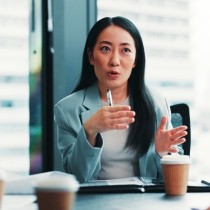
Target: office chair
[{"x": 180, "y": 115}]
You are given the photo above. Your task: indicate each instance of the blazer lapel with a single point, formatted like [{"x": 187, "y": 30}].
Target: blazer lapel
[{"x": 92, "y": 102}]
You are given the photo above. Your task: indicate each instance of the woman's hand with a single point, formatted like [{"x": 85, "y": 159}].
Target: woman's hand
[
  {"x": 167, "y": 140},
  {"x": 108, "y": 118}
]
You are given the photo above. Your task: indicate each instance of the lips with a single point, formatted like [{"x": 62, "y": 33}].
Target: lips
[{"x": 113, "y": 74}]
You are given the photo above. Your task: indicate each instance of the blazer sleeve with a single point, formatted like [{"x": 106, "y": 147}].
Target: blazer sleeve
[{"x": 79, "y": 157}]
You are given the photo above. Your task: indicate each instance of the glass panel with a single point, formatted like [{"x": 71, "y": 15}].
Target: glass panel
[
  {"x": 36, "y": 84},
  {"x": 14, "y": 94},
  {"x": 177, "y": 39}
]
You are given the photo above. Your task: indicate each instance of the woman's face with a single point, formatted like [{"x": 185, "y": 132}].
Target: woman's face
[{"x": 113, "y": 57}]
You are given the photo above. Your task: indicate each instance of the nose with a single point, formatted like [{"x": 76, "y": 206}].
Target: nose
[{"x": 115, "y": 59}]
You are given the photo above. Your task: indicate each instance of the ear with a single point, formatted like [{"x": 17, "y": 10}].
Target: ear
[
  {"x": 134, "y": 65},
  {"x": 90, "y": 56}
]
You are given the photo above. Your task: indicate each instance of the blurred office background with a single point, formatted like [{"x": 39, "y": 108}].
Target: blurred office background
[{"x": 41, "y": 44}]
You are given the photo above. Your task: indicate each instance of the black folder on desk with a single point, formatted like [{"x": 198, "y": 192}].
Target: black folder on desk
[{"x": 134, "y": 185}]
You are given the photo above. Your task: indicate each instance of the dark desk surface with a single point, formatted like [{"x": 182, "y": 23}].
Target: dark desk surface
[{"x": 145, "y": 201}]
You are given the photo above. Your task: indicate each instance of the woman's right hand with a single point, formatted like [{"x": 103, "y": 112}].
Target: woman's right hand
[{"x": 108, "y": 118}]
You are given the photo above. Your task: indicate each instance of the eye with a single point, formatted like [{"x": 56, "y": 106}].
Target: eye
[
  {"x": 126, "y": 50},
  {"x": 104, "y": 49}
]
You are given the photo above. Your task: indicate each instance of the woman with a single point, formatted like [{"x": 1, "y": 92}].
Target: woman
[{"x": 98, "y": 141}]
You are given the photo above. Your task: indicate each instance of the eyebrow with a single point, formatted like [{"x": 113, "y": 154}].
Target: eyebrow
[{"x": 109, "y": 43}]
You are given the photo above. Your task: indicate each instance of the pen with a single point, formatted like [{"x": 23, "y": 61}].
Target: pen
[
  {"x": 205, "y": 182},
  {"x": 109, "y": 97}
]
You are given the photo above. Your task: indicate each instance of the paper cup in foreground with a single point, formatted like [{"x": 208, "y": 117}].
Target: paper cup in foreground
[
  {"x": 56, "y": 192},
  {"x": 175, "y": 173}
]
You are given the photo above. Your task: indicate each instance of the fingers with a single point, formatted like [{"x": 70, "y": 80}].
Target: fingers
[
  {"x": 116, "y": 117},
  {"x": 173, "y": 146},
  {"x": 120, "y": 114},
  {"x": 117, "y": 108},
  {"x": 163, "y": 123},
  {"x": 104, "y": 120},
  {"x": 178, "y": 129},
  {"x": 173, "y": 150},
  {"x": 177, "y": 142},
  {"x": 177, "y": 139},
  {"x": 168, "y": 140},
  {"x": 123, "y": 126},
  {"x": 178, "y": 133},
  {"x": 165, "y": 141},
  {"x": 122, "y": 120},
  {"x": 123, "y": 114}
]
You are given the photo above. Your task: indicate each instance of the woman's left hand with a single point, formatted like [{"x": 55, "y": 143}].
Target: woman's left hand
[{"x": 167, "y": 140}]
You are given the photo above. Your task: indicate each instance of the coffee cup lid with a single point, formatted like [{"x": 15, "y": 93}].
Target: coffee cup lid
[
  {"x": 176, "y": 159},
  {"x": 58, "y": 182}
]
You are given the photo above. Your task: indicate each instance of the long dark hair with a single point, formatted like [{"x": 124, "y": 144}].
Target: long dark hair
[{"x": 142, "y": 131}]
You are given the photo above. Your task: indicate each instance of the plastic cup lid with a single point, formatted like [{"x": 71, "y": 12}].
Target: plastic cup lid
[
  {"x": 175, "y": 159},
  {"x": 58, "y": 182}
]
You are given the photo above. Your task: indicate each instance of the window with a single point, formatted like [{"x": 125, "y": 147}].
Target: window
[
  {"x": 176, "y": 39},
  {"x": 14, "y": 94}
]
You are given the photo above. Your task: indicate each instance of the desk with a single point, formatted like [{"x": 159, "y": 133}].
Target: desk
[
  {"x": 132, "y": 201},
  {"x": 136, "y": 201}
]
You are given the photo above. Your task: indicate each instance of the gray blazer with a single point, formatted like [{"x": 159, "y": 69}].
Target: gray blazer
[{"x": 78, "y": 156}]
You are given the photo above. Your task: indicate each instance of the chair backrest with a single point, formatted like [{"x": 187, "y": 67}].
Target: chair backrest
[{"x": 180, "y": 115}]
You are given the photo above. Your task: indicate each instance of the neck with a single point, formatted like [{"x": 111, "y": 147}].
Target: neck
[{"x": 118, "y": 94}]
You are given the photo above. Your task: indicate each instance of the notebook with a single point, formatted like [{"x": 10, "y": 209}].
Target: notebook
[{"x": 135, "y": 184}]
